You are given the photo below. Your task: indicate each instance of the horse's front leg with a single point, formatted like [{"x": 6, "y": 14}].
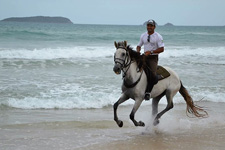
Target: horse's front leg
[
  {"x": 134, "y": 110},
  {"x": 122, "y": 99}
]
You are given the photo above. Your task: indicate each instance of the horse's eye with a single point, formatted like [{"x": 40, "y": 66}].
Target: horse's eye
[{"x": 123, "y": 54}]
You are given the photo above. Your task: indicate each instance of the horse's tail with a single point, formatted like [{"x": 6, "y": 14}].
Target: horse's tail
[{"x": 191, "y": 107}]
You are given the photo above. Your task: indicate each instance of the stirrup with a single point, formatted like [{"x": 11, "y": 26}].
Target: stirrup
[{"x": 147, "y": 96}]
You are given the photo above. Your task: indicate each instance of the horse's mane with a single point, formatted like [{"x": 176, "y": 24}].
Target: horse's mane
[{"x": 135, "y": 56}]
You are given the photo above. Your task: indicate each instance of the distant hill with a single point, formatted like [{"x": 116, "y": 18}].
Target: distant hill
[
  {"x": 39, "y": 19},
  {"x": 168, "y": 24}
]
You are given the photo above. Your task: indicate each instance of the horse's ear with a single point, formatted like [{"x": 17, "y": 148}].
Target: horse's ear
[
  {"x": 125, "y": 44},
  {"x": 116, "y": 45}
]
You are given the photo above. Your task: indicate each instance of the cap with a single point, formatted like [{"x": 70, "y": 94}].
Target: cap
[{"x": 152, "y": 22}]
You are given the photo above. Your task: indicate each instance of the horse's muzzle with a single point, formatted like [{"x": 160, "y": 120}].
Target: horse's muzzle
[{"x": 117, "y": 69}]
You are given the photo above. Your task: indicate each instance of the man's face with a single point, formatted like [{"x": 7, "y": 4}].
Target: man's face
[{"x": 150, "y": 28}]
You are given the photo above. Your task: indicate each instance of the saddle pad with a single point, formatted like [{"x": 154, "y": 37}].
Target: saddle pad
[{"x": 162, "y": 72}]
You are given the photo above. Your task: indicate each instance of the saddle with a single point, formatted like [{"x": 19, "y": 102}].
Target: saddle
[{"x": 162, "y": 73}]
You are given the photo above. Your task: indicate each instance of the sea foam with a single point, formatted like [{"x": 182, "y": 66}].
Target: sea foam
[
  {"x": 81, "y": 98},
  {"x": 99, "y": 52}
]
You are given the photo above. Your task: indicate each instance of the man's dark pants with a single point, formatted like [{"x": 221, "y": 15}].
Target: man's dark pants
[{"x": 150, "y": 69}]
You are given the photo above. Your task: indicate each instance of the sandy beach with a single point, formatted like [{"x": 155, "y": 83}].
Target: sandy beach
[{"x": 95, "y": 129}]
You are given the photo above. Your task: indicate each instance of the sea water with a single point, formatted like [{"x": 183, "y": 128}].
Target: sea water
[
  {"x": 57, "y": 88},
  {"x": 70, "y": 66}
]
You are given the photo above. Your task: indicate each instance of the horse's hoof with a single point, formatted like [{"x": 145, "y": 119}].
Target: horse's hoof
[
  {"x": 156, "y": 122},
  {"x": 120, "y": 123},
  {"x": 141, "y": 123}
]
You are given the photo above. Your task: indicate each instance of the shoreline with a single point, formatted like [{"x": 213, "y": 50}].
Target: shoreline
[{"x": 96, "y": 129}]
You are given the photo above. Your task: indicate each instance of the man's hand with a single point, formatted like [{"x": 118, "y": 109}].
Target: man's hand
[{"x": 148, "y": 53}]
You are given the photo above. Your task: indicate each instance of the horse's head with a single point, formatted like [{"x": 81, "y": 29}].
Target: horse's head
[{"x": 121, "y": 56}]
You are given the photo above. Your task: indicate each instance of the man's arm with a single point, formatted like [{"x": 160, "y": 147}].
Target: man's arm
[
  {"x": 139, "y": 45},
  {"x": 157, "y": 51},
  {"x": 138, "y": 49}
]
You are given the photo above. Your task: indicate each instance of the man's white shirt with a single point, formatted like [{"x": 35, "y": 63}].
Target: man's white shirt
[{"x": 156, "y": 41}]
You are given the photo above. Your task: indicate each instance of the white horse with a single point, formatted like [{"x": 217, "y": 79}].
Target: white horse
[{"x": 135, "y": 83}]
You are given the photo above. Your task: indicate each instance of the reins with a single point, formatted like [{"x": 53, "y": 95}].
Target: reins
[{"x": 133, "y": 84}]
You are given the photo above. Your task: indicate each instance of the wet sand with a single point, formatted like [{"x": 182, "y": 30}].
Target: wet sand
[
  {"x": 203, "y": 139},
  {"x": 95, "y": 129}
]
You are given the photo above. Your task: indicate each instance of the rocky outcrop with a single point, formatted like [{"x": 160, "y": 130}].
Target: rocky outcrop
[{"x": 168, "y": 24}]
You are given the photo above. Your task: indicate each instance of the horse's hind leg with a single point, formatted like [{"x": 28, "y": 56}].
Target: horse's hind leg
[
  {"x": 155, "y": 103},
  {"x": 122, "y": 99},
  {"x": 169, "y": 97}
]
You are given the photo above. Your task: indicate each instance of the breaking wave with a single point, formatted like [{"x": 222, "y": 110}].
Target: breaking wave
[{"x": 99, "y": 52}]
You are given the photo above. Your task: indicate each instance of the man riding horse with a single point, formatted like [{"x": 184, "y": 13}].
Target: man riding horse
[
  {"x": 153, "y": 45},
  {"x": 131, "y": 64}
]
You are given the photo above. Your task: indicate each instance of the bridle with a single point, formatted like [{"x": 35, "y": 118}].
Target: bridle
[{"x": 126, "y": 64}]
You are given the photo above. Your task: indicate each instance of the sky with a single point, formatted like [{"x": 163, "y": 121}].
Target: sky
[{"x": 121, "y": 12}]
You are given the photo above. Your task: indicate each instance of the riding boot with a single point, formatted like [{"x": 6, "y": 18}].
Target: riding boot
[
  {"x": 152, "y": 80},
  {"x": 148, "y": 89}
]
